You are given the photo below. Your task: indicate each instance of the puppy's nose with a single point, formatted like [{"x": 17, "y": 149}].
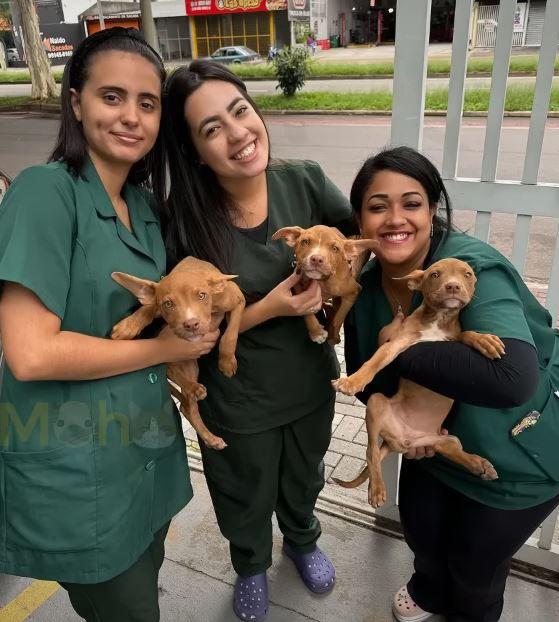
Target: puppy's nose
[
  {"x": 192, "y": 324},
  {"x": 453, "y": 287},
  {"x": 316, "y": 260}
]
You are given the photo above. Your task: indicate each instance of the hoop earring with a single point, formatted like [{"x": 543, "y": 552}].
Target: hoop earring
[{"x": 432, "y": 229}]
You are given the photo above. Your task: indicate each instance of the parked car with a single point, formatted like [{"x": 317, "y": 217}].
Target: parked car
[
  {"x": 12, "y": 55},
  {"x": 235, "y": 54}
]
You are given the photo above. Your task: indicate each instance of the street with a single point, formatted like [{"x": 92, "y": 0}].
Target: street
[{"x": 340, "y": 144}]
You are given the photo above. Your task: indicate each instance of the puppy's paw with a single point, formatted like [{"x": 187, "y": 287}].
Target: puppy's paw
[
  {"x": 377, "y": 495},
  {"x": 319, "y": 337},
  {"x": 228, "y": 365},
  {"x": 488, "y": 470},
  {"x": 195, "y": 390},
  {"x": 125, "y": 329},
  {"x": 346, "y": 386},
  {"x": 334, "y": 337},
  {"x": 213, "y": 442},
  {"x": 489, "y": 345}
]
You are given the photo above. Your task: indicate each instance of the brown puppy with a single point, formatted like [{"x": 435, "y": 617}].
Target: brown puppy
[
  {"x": 324, "y": 254},
  {"x": 414, "y": 416},
  {"x": 193, "y": 299}
]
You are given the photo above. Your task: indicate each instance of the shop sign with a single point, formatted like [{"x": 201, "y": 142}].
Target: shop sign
[
  {"x": 219, "y": 7},
  {"x": 298, "y": 10},
  {"x": 60, "y": 40}
]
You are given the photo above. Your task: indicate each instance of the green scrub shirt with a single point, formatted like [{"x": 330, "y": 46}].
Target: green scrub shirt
[
  {"x": 527, "y": 463},
  {"x": 282, "y": 375},
  {"x": 89, "y": 470}
]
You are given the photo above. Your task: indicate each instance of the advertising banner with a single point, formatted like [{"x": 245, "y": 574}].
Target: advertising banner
[
  {"x": 60, "y": 40},
  {"x": 298, "y": 10},
  {"x": 221, "y": 7}
]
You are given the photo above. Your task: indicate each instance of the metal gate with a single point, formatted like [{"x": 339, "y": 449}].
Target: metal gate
[
  {"x": 486, "y": 31},
  {"x": 525, "y": 197}
]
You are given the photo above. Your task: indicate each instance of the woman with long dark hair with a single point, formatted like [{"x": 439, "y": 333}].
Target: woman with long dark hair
[
  {"x": 463, "y": 530},
  {"x": 92, "y": 454},
  {"x": 225, "y": 201}
]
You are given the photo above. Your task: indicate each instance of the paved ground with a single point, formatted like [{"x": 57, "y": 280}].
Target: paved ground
[{"x": 196, "y": 579}]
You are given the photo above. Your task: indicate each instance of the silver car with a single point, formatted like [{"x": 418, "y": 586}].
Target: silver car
[{"x": 235, "y": 54}]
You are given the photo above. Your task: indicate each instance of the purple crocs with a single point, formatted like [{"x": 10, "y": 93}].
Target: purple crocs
[
  {"x": 250, "y": 598},
  {"x": 316, "y": 570}
]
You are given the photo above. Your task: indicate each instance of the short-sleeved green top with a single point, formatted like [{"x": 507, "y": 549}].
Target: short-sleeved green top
[
  {"x": 527, "y": 463},
  {"x": 282, "y": 375},
  {"x": 89, "y": 470}
]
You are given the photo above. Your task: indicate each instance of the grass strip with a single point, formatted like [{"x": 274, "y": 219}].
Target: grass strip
[
  {"x": 518, "y": 64},
  {"x": 518, "y": 98}
]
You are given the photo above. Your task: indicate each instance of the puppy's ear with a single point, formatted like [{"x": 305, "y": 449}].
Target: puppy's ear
[
  {"x": 217, "y": 284},
  {"x": 353, "y": 248},
  {"x": 291, "y": 234},
  {"x": 414, "y": 279},
  {"x": 143, "y": 289}
]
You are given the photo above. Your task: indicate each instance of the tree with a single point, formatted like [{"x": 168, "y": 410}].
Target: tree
[{"x": 42, "y": 81}]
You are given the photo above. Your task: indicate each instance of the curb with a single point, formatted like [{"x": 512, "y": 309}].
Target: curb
[{"x": 379, "y": 76}]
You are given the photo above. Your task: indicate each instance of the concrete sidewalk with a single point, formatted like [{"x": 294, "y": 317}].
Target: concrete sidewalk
[{"x": 196, "y": 581}]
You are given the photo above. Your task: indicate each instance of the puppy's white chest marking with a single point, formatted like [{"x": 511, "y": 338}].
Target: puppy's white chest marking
[{"x": 434, "y": 333}]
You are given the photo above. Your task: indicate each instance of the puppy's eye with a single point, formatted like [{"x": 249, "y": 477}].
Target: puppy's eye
[
  {"x": 305, "y": 241},
  {"x": 335, "y": 248},
  {"x": 202, "y": 295},
  {"x": 468, "y": 275},
  {"x": 434, "y": 275},
  {"x": 168, "y": 304}
]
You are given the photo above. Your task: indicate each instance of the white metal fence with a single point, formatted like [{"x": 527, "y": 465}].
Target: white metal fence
[{"x": 524, "y": 197}]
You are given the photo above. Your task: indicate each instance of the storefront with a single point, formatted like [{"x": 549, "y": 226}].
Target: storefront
[
  {"x": 372, "y": 22},
  {"x": 171, "y": 23},
  {"x": 529, "y": 19},
  {"x": 256, "y": 24}
]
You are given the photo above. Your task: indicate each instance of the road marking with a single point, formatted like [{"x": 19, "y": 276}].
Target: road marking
[{"x": 32, "y": 597}]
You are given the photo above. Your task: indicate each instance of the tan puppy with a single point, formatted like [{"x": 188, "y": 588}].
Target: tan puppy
[
  {"x": 193, "y": 299},
  {"x": 414, "y": 416},
  {"x": 324, "y": 254}
]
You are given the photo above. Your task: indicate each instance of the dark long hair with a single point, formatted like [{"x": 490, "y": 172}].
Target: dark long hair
[
  {"x": 196, "y": 209},
  {"x": 411, "y": 163},
  {"x": 71, "y": 145}
]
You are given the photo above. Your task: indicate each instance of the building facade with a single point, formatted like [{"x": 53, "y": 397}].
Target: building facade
[
  {"x": 256, "y": 24},
  {"x": 528, "y": 23}
]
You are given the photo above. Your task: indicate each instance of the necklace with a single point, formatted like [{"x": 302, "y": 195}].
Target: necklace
[{"x": 392, "y": 298}]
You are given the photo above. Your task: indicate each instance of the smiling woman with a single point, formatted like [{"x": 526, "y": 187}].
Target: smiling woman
[
  {"x": 225, "y": 201},
  {"x": 83, "y": 502},
  {"x": 462, "y": 529}
]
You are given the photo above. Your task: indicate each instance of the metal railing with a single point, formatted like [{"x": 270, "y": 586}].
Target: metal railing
[{"x": 524, "y": 197}]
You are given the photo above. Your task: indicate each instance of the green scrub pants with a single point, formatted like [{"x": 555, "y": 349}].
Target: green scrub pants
[
  {"x": 279, "y": 470},
  {"x": 132, "y": 596}
]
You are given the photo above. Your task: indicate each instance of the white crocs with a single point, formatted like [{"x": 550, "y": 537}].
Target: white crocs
[{"x": 405, "y": 609}]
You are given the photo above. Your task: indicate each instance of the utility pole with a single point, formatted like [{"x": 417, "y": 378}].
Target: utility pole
[
  {"x": 101, "y": 16},
  {"x": 148, "y": 25}
]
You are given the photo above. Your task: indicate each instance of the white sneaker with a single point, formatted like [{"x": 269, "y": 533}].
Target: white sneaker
[{"x": 405, "y": 609}]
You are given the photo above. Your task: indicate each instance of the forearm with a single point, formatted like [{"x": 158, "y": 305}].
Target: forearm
[
  {"x": 463, "y": 374},
  {"x": 73, "y": 356},
  {"x": 255, "y": 314}
]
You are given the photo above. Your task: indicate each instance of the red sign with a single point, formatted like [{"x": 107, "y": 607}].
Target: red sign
[{"x": 221, "y": 7}]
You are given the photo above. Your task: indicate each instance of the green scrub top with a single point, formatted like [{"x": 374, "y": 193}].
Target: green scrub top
[
  {"x": 527, "y": 463},
  {"x": 282, "y": 375},
  {"x": 89, "y": 470}
]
